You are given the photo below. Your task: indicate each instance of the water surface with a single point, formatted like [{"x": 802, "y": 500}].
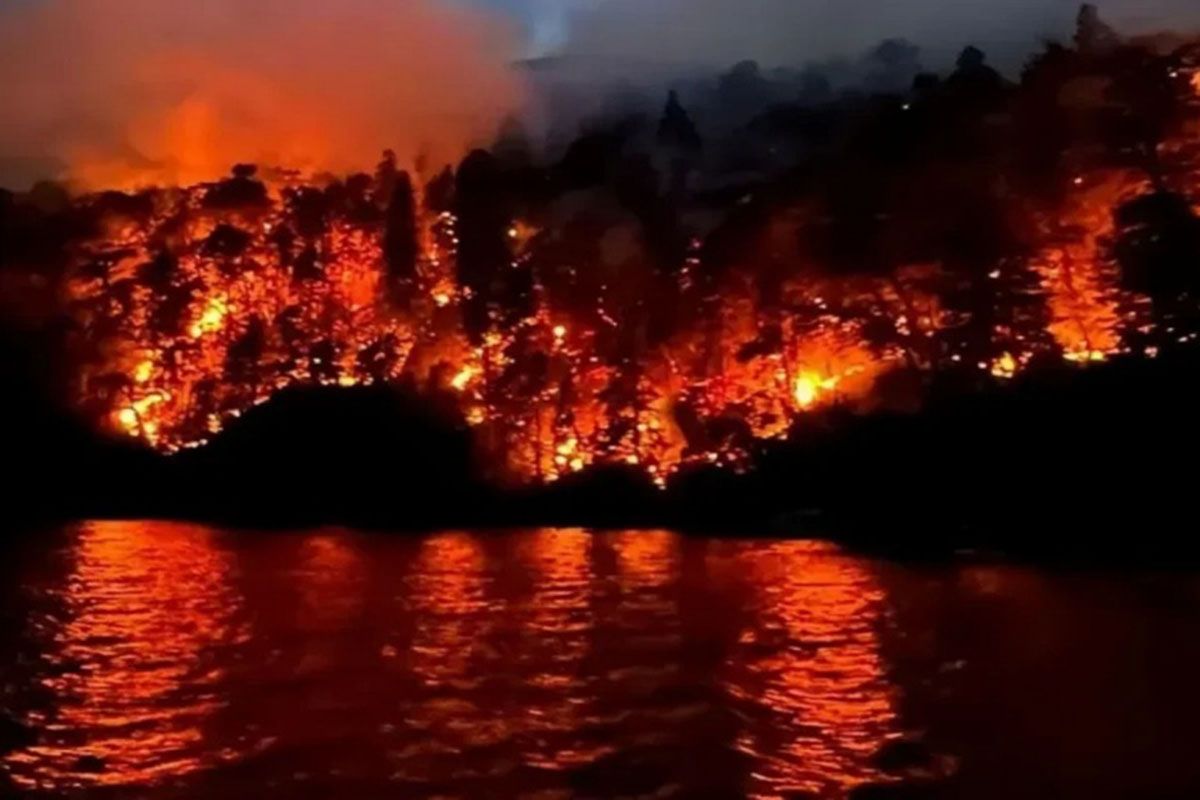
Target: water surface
[{"x": 164, "y": 660}]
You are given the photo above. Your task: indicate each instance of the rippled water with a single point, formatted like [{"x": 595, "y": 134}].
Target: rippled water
[{"x": 162, "y": 660}]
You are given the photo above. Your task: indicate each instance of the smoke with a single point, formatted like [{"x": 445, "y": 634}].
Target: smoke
[
  {"x": 117, "y": 93},
  {"x": 790, "y": 32}
]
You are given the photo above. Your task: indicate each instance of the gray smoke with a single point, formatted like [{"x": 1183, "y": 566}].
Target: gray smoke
[{"x": 791, "y": 32}]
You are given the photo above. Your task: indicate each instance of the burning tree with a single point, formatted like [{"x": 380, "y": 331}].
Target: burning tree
[{"x": 591, "y": 312}]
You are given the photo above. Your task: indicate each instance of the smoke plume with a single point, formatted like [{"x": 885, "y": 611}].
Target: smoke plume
[
  {"x": 117, "y": 93},
  {"x": 788, "y": 32}
]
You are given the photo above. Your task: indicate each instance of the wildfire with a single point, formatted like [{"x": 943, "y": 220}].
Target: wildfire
[
  {"x": 258, "y": 316},
  {"x": 1005, "y": 366},
  {"x": 193, "y": 311},
  {"x": 463, "y": 379},
  {"x": 212, "y": 318},
  {"x": 809, "y": 388},
  {"x": 143, "y": 372},
  {"x": 1080, "y": 277},
  {"x": 128, "y": 418}
]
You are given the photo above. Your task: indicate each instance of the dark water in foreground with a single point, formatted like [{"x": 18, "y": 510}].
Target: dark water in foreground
[{"x": 160, "y": 660}]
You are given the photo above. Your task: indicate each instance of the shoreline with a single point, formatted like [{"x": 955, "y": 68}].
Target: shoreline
[{"x": 1018, "y": 468}]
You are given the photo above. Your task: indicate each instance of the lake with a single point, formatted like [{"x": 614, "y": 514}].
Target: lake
[{"x": 161, "y": 660}]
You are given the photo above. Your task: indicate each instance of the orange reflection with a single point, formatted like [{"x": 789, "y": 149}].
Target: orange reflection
[
  {"x": 448, "y": 597},
  {"x": 813, "y": 660},
  {"x": 449, "y": 652},
  {"x": 557, "y": 562},
  {"x": 330, "y": 580},
  {"x": 645, "y": 558},
  {"x": 132, "y": 680},
  {"x": 555, "y": 624}
]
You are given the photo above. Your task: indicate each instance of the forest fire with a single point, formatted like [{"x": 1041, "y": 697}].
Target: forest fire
[
  {"x": 571, "y": 339},
  {"x": 180, "y": 343}
]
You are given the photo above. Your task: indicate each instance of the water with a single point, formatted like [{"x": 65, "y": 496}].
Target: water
[{"x": 161, "y": 660}]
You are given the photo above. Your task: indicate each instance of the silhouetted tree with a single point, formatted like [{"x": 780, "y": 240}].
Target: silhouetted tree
[
  {"x": 245, "y": 354},
  {"x": 137, "y": 208},
  {"x": 815, "y": 88},
  {"x": 972, "y": 93},
  {"x": 386, "y": 174},
  {"x": 676, "y": 129},
  {"x": 381, "y": 358},
  {"x": 512, "y": 147},
  {"x": 439, "y": 192},
  {"x": 284, "y": 239},
  {"x": 323, "y": 361},
  {"x": 308, "y": 266},
  {"x": 309, "y": 210},
  {"x": 678, "y": 135},
  {"x": 1043, "y": 125},
  {"x": 1093, "y": 36},
  {"x": 743, "y": 91},
  {"x": 241, "y": 191},
  {"x": 171, "y": 299},
  {"x": 973, "y": 77},
  {"x": 353, "y": 199},
  {"x": 892, "y": 65},
  {"x": 483, "y": 251},
  {"x": 1158, "y": 248},
  {"x": 1147, "y": 104},
  {"x": 159, "y": 271},
  {"x": 49, "y": 197},
  {"x": 226, "y": 242},
  {"x": 400, "y": 249},
  {"x": 636, "y": 187},
  {"x": 591, "y": 157}
]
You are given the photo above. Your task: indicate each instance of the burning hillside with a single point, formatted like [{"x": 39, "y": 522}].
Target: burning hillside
[
  {"x": 970, "y": 227},
  {"x": 194, "y": 309}
]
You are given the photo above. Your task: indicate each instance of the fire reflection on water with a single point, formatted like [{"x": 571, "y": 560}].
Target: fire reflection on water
[
  {"x": 812, "y": 658},
  {"x": 132, "y": 666},
  {"x": 447, "y": 595},
  {"x": 557, "y": 614},
  {"x": 453, "y": 621},
  {"x": 555, "y": 661},
  {"x": 330, "y": 581}
]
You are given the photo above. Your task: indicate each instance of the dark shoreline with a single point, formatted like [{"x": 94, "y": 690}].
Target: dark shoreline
[{"x": 1067, "y": 464}]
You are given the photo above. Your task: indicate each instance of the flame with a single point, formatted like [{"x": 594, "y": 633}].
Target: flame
[
  {"x": 144, "y": 372},
  {"x": 254, "y": 323},
  {"x": 809, "y": 388},
  {"x": 463, "y": 379},
  {"x": 1080, "y": 279},
  {"x": 128, "y": 418},
  {"x": 1005, "y": 366},
  {"x": 194, "y": 341},
  {"x": 212, "y": 318}
]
